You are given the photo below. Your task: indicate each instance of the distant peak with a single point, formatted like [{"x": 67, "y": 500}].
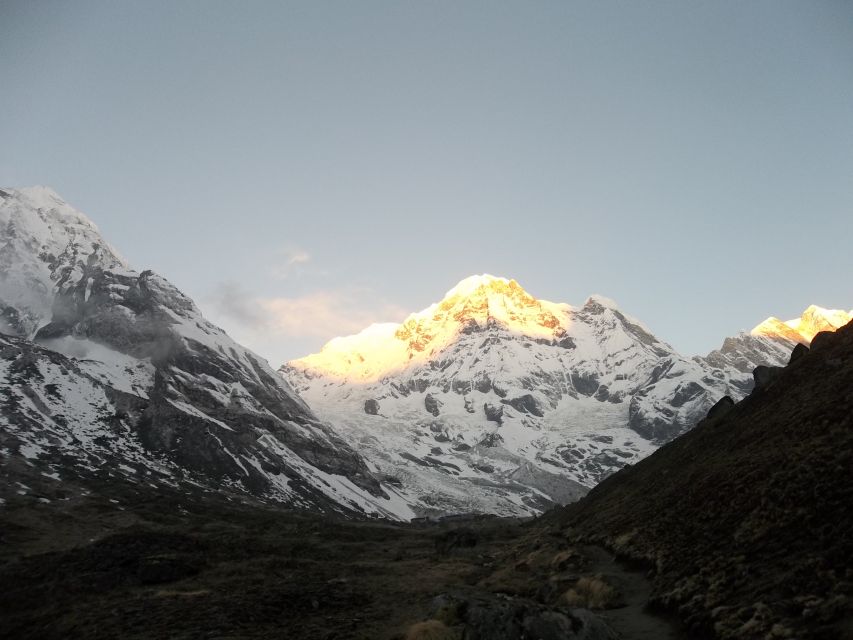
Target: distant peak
[
  {"x": 814, "y": 320},
  {"x": 830, "y": 315},
  {"x": 775, "y": 328},
  {"x": 596, "y": 299}
]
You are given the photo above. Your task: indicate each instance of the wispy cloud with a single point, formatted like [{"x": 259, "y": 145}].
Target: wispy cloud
[
  {"x": 291, "y": 262},
  {"x": 272, "y": 324},
  {"x": 325, "y": 314},
  {"x": 297, "y": 256}
]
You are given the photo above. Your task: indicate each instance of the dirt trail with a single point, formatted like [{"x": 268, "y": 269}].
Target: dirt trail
[{"x": 632, "y": 621}]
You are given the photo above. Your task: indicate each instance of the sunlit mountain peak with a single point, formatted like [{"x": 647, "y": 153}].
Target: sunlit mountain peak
[
  {"x": 814, "y": 320},
  {"x": 472, "y": 284},
  {"x": 477, "y": 303}
]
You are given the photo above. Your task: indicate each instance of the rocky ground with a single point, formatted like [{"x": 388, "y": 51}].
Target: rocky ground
[{"x": 136, "y": 565}]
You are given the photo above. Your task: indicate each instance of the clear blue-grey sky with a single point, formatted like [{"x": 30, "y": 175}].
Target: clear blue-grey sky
[{"x": 303, "y": 169}]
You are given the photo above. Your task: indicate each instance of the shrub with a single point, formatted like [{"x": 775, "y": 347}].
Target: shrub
[
  {"x": 592, "y": 592},
  {"x": 431, "y": 630}
]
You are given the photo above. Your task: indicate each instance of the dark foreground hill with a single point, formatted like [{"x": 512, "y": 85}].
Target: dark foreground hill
[{"x": 747, "y": 520}]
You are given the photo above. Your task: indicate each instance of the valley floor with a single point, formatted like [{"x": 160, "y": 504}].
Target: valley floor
[{"x": 179, "y": 567}]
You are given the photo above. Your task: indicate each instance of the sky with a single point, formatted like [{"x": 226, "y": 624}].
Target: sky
[{"x": 305, "y": 169}]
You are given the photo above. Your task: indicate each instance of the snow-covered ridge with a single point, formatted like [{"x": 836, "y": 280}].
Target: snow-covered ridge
[{"x": 492, "y": 400}]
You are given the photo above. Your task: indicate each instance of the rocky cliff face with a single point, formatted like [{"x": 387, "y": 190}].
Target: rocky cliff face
[
  {"x": 117, "y": 372},
  {"x": 494, "y": 400}
]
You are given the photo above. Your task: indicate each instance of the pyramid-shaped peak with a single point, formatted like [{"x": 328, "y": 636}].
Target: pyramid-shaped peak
[
  {"x": 477, "y": 303},
  {"x": 482, "y": 297},
  {"x": 484, "y": 283}
]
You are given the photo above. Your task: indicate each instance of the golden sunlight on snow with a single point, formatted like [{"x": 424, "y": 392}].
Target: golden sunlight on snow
[
  {"x": 478, "y": 300},
  {"x": 814, "y": 320}
]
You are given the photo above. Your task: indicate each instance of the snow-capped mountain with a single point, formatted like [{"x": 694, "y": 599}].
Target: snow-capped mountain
[
  {"x": 107, "y": 372},
  {"x": 490, "y": 400},
  {"x": 493, "y": 400}
]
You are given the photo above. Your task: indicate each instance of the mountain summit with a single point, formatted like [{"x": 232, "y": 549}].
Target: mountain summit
[{"x": 472, "y": 306}]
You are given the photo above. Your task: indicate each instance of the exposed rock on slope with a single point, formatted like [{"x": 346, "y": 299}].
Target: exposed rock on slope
[
  {"x": 746, "y": 519},
  {"x": 102, "y": 368}
]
